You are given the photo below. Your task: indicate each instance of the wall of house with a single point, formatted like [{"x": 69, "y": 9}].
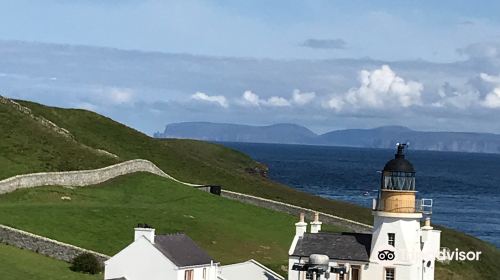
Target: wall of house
[
  {"x": 296, "y": 210},
  {"x": 140, "y": 260},
  {"x": 42, "y": 245},
  {"x": 80, "y": 178},
  {"x": 198, "y": 273}
]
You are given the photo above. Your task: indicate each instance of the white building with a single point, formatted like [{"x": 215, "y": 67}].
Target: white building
[
  {"x": 161, "y": 257},
  {"x": 249, "y": 270},
  {"x": 398, "y": 247}
]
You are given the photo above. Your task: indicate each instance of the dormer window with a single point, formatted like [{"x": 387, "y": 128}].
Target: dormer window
[{"x": 391, "y": 239}]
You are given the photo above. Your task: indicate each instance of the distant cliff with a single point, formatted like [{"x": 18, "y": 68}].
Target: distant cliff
[
  {"x": 278, "y": 133},
  {"x": 387, "y": 137},
  {"x": 382, "y": 137}
]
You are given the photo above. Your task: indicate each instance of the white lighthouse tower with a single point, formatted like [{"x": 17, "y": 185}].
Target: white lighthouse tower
[
  {"x": 398, "y": 248},
  {"x": 401, "y": 248}
]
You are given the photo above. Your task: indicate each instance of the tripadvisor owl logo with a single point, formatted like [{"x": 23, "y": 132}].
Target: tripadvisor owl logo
[{"x": 386, "y": 255}]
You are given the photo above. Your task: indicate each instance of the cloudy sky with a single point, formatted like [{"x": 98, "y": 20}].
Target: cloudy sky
[{"x": 431, "y": 65}]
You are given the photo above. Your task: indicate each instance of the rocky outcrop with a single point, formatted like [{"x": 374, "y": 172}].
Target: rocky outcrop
[{"x": 260, "y": 170}]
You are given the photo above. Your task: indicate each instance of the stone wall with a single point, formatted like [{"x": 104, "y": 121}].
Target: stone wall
[
  {"x": 296, "y": 210},
  {"x": 92, "y": 177},
  {"x": 42, "y": 245},
  {"x": 81, "y": 178}
]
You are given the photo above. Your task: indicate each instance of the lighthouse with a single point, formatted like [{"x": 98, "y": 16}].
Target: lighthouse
[{"x": 402, "y": 245}]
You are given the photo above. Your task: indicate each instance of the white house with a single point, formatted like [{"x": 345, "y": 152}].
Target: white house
[
  {"x": 399, "y": 247},
  {"x": 249, "y": 270},
  {"x": 161, "y": 257}
]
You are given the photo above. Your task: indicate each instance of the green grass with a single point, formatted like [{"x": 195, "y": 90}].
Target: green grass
[
  {"x": 27, "y": 147},
  {"x": 102, "y": 218},
  {"x": 30, "y": 148},
  {"x": 17, "y": 264},
  {"x": 187, "y": 160}
]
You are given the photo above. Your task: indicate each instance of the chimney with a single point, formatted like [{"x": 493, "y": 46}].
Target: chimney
[
  {"x": 301, "y": 226},
  {"x": 427, "y": 224},
  {"x": 144, "y": 230},
  {"x": 316, "y": 224}
]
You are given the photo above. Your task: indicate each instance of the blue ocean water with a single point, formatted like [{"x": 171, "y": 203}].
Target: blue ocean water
[{"x": 465, "y": 187}]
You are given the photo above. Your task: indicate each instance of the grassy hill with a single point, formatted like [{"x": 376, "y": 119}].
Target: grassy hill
[
  {"x": 17, "y": 264},
  {"x": 28, "y": 146},
  {"x": 102, "y": 218},
  {"x": 191, "y": 161}
]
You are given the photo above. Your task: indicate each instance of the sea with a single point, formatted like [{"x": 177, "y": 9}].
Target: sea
[{"x": 465, "y": 187}]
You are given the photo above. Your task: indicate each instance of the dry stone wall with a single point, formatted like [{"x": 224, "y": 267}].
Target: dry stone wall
[
  {"x": 81, "y": 178},
  {"x": 92, "y": 177},
  {"x": 296, "y": 210},
  {"x": 45, "y": 246}
]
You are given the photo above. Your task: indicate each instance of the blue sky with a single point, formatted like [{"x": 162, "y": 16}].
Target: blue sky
[
  {"x": 430, "y": 65},
  {"x": 388, "y": 30}
]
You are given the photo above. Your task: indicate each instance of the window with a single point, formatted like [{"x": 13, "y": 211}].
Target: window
[
  {"x": 204, "y": 273},
  {"x": 189, "y": 274},
  {"x": 390, "y": 274},
  {"x": 391, "y": 238},
  {"x": 355, "y": 272}
]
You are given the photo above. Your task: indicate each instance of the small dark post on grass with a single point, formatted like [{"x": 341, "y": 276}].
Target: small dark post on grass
[{"x": 213, "y": 189}]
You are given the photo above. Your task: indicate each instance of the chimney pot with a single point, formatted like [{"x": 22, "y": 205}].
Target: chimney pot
[
  {"x": 316, "y": 224},
  {"x": 301, "y": 226},
  {"x": 427, "y": 223}
]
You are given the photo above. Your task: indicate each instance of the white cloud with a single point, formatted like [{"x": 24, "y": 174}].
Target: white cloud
[
  {"x": 120, "y": 96},
  {"x": 335, "y": 102},
  {"x": 217, "y": 99},
  {"x": 252, "y": 99},
  {"x": 457, "y": 99},
  {"x": 379, "y": 89},
  {"x": 471, "y": 97},
  {"x": 492, "y": 99},
  {"x": 490, "y": 79},
  {"x": 302, "y": 98},
  {"x": 277, "y": 101}
]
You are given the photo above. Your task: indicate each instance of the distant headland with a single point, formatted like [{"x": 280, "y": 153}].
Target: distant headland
[{"x": 381, "y": 137}]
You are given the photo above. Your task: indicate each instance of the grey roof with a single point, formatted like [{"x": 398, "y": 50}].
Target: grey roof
[
  {"x": 181, "y": 250},
  {"x": 249, "y": 270},
  {"x": 338, "y": 246}
]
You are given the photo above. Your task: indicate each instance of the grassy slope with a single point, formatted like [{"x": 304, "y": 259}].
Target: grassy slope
[
  {"x": 207, "y": 163},
  {"x": 193, "y": 161},
  {"x": 27, "y": 147},
  {"x": 102, "y": 218},
  {"x": 17, "y": 264}
]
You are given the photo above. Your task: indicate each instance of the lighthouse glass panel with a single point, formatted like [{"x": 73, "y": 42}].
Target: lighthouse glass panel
[{"x": 399, "y": 181}]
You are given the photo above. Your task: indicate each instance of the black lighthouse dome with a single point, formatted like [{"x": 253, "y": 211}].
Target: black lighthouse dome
[
  {"x": 399, "y": 163},
  {"x": 399, "y": 173}
]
